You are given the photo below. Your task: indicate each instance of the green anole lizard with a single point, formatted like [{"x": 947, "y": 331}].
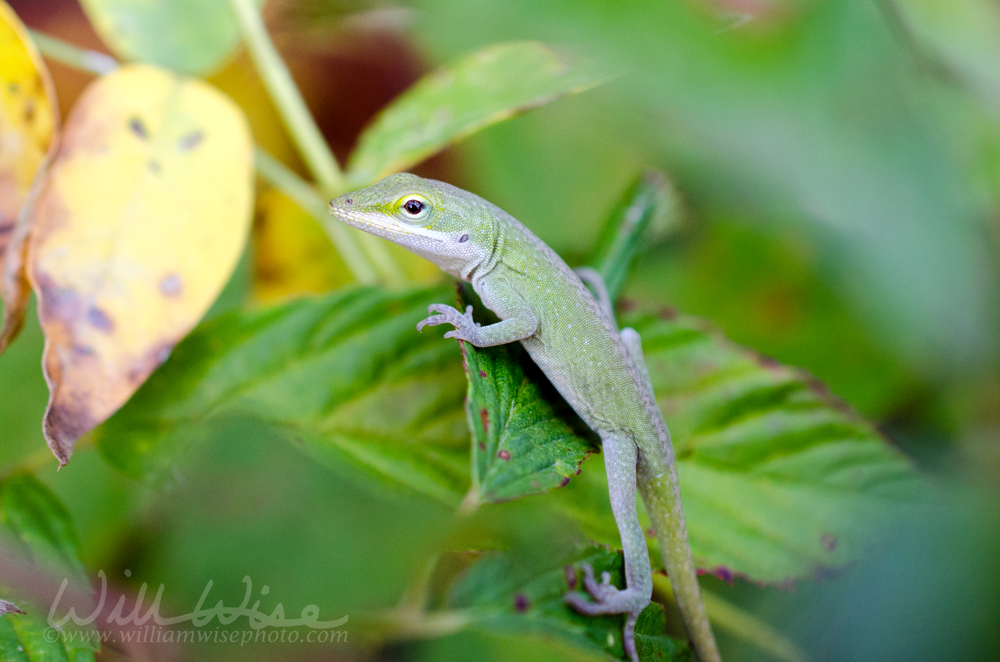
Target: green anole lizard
[{"x": 573, "y": 338}]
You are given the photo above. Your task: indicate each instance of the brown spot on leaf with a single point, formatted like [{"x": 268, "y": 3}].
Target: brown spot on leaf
[
  {"x": 570, "y": 577},
  {"x": 61, "y": 303},
  {"x": 191, "y": 140},
  {"x": 829, "y": 541},
  {"x": 667, "y": 313},
  {"x": 136, "y": 126},
  {"x": 484, "y": 416},
  {"x": 521, "y": 603},
  {"x": 722, "y": 572},
  {"x": 482, "y": 373},
  {"x": 100, "y": 320},
  {"x": 564, "y": 482},
  {"x": 482, "y": 446},
  {"x": 171, "y": 285},
  {"x": 504, "y": 454}
]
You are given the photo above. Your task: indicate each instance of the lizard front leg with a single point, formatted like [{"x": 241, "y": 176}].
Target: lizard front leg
[
  {"x": 620, "y": 456},
  {"x": 519, "y": 320}
]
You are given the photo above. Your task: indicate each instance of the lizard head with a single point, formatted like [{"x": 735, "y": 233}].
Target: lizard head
[{"x": 442, "y": 223}]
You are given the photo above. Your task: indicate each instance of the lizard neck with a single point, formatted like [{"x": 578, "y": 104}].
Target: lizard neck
[{"x": 493, "y": 246}]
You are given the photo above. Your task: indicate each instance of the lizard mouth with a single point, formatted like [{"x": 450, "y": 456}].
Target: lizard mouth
[{"x": 375, "y": 223}]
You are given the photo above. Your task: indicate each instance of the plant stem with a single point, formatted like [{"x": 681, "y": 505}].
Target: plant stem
[
  {"x": 389, "y": 270},
  {"x": 306, "y": 135},
  {"x": 400, "y": 625},
  {"x": 66, "y": 53},
  {"x": 288, "y": 100},
  {"x": 305, "y": 196},
  {"x": 731, "y": 618}
]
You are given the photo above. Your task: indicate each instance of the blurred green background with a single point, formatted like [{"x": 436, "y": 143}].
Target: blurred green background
[{"x": 839, "y": 166}]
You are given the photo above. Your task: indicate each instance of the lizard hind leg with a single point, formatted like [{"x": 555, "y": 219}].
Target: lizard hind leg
[{"x": 620, "y": 455}]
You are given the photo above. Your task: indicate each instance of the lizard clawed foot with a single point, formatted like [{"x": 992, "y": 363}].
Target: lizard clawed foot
[
  {"x": 465, "y": 327},
  {"x": 610, "y": 600}
]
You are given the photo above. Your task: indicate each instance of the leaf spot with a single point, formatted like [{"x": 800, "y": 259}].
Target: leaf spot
[
  {"x": 482, "y": 373},
  {"x": 504, "y": 454},
  {"x": 138, "y": 128},
  {"x": 667, "y": 313},
  {"x": 484, "y": 416},
  {"x": 521, "y": 603},
  {"x": 570, "y": 577},
  {"x": 829, "y": 541},
  {"x": 100, "y": 320},
  {"x": 564, "y": 482},
  {"x": 171, "y": 285},
  {"x": 722, "y": 572},
  {"x": 191, "y": 140}
]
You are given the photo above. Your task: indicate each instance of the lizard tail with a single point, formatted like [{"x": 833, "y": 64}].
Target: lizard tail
[
  {"x": 662, "y": 497},
  {"x": 661, "y": 492}
]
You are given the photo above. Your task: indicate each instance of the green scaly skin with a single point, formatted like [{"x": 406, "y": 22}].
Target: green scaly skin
[{"x": 600, "y": 372}]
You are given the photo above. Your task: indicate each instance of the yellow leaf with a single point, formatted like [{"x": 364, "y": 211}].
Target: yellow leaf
[
  {"x": 28, "y": 119},
  {"x": 292, "y": 255},
  {"x": 140, "y": 221}
]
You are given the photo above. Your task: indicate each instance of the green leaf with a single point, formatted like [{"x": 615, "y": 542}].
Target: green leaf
[
  {"x": 964, "y": 34},
  {"x": 651, "y": 197},
  {"x": 500, "y": 594},
  {"x": 346, "y": 377},
  {"x": 521, "y": 443},
  {"x": 189, "y": 36},
  {"x": 780, "y": 481},
  {"x": 24, "y": 637},
  {"x": 463, "y": 97},
  {"x": 35, "y": 526}
]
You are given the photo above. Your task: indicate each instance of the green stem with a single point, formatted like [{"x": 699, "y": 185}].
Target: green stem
[
  {"x": 389, "y": 270},
  {"x": 734, "y": 620},
  {"x": 401, "y": 625},
  {"x": 305, "y": 196},
  {"x": 306, "y": 135},
  {"x": 66, "y": 53},
  {"x": 288, "y": 100}
]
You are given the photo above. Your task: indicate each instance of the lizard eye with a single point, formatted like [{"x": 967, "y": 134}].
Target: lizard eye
[{"x": 413, "y": 208}]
